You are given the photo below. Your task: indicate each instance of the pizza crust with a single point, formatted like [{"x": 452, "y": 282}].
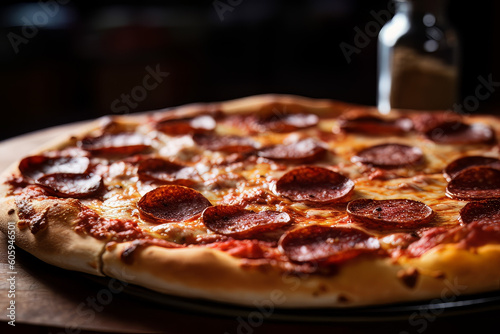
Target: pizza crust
[
  {"x": 214, "y": 275},
  {"x": 58, "y": 244},
  {"x": 470, "y": 270}
]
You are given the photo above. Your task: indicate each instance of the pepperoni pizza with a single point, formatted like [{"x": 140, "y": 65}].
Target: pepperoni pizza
[{"x": 326, "y": 203}]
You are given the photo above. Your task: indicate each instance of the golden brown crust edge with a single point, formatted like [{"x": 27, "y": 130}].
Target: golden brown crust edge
[
  {"x": 206, "y": 273},
  {"x": 58, "y": 244}
]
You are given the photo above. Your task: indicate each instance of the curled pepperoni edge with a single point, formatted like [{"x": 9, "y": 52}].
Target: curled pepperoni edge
[
  {"x": 455, "y": 191},
  {"x": 33, "y": 165},
  {"x": 480, "y": 211},
  {"x": 322, "y": 234},
  {"x": 373, "y": 125},
  {"x": 316, "y": 152},
  {"x": 355, "y": 211},
  {"x": 95, "y": 145},
  {"x": 224, "y": 143},
  {"x": 423, "y": 122},
  {"x": 152, "y": 164},
  {"x": 217, "y": 219},
  {"x": 174, "y": 195},
  {"x": 416, "y": 160},
  {"x": 47, "y": 182},
  {"x": 297, "y": 175},
  {"x": 185, "y": 126},
  {"x": 287, "y": 122},
  {"x": 460, "y": 133},
  {"x": 458, "y": 165}
]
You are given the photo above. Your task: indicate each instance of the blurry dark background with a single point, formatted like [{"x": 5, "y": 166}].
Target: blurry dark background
[{"x": 71, "y": 61}]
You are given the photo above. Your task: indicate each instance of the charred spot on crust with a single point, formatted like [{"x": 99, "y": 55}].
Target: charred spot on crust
[
  {"x": 11, "y": 212},
  {"x": 321, "y": 289},
  {"x": 127, "y": 254},
  {"x": 409, "y": 277},
  {"x": 39, "y": 223},
  {"x": 439, "y": 275},
  {"x": 261, "y": 265},
  {"x": 29, "y": 217},
  {"x": 343, "y": 299}
]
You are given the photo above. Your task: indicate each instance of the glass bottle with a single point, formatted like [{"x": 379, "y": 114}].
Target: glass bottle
[{"x": 417, "y": 58}]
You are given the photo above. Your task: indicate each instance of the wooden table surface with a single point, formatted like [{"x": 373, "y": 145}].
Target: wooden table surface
[{"x": 53, "y": 300}]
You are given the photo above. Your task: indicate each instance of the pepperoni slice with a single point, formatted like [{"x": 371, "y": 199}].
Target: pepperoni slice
[
  {"x": 237, "y": 222},
  {"x": 326, "y": 244},
  {"x": 487, "y": 211},
  {"x": 389, "y": 214},
  {"x": 172, "y": 203},
  {"x": 38, "y": 165},
  {"x": 315, "y": 185},
  {"x": 120, "y": 143},
  {"x": 287, "y": 122},
  {"x": 184, "y": 126},
  {"x": 224, "y": 143},
  {"x": 475, "y": 183},
  {"x": 160, "y": 170},
  {"x": 458, "y": 133},
  {"x": 460, "y": 164},
  {"x": 306, "y": 150},
  {"x": 389, "y": 156},
  {"x": 72, "y": 185},
  {"x": 373, "y": 125}
]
